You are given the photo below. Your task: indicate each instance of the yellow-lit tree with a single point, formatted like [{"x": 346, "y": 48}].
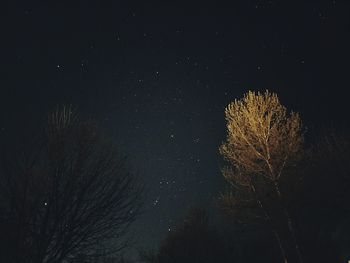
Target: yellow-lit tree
[{"x": 263, "y": 142}]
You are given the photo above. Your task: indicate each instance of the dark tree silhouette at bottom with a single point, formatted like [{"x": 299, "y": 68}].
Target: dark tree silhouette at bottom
[{"x": 193, "y": 241}]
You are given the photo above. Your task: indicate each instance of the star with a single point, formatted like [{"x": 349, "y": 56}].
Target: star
[
  {"x": 156, "y": 201},
  {"x": 196, "y": 140}
]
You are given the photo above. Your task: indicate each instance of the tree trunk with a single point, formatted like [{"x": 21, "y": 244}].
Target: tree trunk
[
  {"x": 290, "y": 228},
  {"x": 273, "y": 229}
]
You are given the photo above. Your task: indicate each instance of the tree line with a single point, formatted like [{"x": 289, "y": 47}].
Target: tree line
[
  {"x": 71, "y": 197},
  {"x": 286, "y": 197}
]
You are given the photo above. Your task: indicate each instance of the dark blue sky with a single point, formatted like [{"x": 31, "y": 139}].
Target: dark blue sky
[{"x": 158, "y": 76}]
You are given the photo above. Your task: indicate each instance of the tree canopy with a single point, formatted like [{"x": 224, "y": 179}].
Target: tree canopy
[
  {"x": 71, "y": 194},
  {"x": 263, "y": 141}
]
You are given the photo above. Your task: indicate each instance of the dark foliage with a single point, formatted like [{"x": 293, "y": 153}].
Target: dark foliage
[
  {"x": 193, "y": 241},
  {"x": 321, "y": 205}
]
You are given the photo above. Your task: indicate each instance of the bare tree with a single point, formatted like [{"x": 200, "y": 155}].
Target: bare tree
[
  {"x": 263, "y": 142},
  {"x": 73, "y": 195}
]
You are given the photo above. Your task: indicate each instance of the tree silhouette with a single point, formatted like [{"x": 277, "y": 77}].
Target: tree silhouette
[
  {"x": 263, "y": 143},
  {"x": 195, "y": 240},
  {"x": 321, "y": 198},
  {"x": 73, "y": 194}
]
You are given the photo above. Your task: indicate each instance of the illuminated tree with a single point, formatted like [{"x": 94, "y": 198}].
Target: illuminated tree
[
  {"x": 263, "y": 142},
  {"x": 72, "y": 195}
]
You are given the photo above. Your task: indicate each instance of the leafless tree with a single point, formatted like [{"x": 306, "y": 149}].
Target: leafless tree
[
  {"x": 73, "y": 195},
  {"x": 263, "y": 142}
]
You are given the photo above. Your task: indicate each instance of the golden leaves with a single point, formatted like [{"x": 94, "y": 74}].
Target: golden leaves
[{"x": 261, "y": 136}]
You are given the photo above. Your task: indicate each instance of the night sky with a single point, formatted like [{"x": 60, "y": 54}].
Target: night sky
[{"x": 157, "y": 78}]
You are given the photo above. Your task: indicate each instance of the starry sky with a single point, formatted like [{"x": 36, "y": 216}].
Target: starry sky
[{"x": 157, "y": 78}]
